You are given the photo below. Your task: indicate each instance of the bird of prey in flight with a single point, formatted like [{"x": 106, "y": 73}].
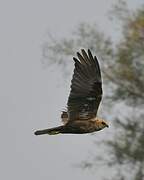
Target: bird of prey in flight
[{"x": 84, "y": 99}]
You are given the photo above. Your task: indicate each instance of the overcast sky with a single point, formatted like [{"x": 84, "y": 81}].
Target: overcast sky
[{"x": 31, "y": 97}]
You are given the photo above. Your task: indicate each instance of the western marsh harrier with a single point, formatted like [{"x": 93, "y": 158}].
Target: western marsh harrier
[{"x": 84, "y": 99}]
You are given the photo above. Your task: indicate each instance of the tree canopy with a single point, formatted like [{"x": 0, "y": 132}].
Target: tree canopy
[{"x": 123, "y": 70}]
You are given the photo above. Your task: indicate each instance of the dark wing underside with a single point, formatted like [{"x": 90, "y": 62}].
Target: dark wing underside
[{"x": 86, "y": 88}]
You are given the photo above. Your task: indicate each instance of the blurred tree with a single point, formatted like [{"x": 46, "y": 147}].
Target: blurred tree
[{"x": 123, "y": 71}]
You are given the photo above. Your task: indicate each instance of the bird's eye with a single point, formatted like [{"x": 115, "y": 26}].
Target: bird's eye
[{"x": 103, "y": 123}]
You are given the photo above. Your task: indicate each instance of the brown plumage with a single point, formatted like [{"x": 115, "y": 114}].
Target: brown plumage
[{"x": 84, "y": 99}]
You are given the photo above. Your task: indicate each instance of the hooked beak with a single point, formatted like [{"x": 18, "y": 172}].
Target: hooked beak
[{"x": 107, "y": 125}]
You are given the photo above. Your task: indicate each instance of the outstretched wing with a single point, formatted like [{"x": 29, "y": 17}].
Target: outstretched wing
[{"x": 86, "y": 87}]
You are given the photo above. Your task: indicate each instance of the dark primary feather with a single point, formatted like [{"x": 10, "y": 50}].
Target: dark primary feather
[{"x": 86, "y": 87}]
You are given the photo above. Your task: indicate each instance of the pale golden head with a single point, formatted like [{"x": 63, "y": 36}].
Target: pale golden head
[{"x": 101, "y": 123}]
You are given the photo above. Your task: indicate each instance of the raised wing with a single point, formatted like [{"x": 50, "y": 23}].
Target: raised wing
[{"x": 86, "y": 88}]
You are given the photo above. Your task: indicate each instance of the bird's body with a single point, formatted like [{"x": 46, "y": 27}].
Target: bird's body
[
  {"x": 75, "y": 127},
  {"x": 84, "y": 99}
]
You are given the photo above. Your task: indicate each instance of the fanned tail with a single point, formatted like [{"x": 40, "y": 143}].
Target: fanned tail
[{"x": 51, "y": 131}]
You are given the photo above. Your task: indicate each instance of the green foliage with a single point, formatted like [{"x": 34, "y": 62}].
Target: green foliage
[
  {"x": 123, "y": 70},
  {"x": 128, "y": 145},
  {"x": 86, "y": 36}
]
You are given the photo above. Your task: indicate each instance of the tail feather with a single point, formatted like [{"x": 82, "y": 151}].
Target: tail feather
[{"x": 51, "y": 131}]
